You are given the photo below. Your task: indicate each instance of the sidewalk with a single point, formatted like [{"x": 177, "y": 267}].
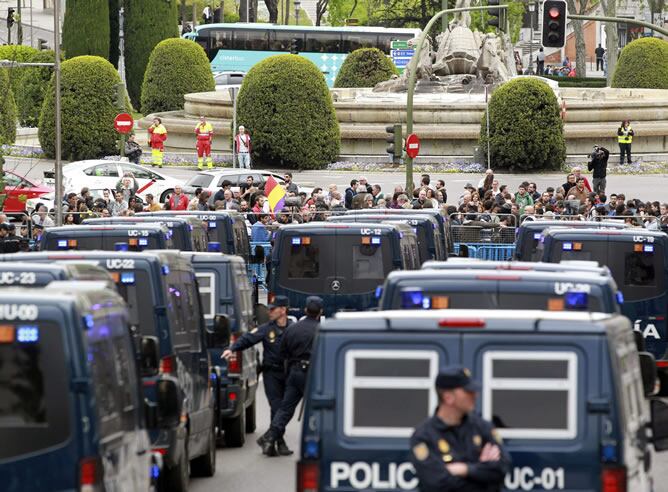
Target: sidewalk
[{"x": 37, "y": 22}]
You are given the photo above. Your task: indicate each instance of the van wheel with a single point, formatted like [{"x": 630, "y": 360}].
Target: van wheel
[
  {"x": 176, "y": 479},
  {"x": 251, "y": 424},
  {"x": 205, "y": 465},
  {"x": 235, "y": 431},
  {"x": 165, "y": 195}
]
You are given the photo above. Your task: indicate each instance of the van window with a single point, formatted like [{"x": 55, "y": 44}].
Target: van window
[
  {"x": 137, "y": 290},
  {"x": 192, "y": 314},
  {"x": 207, "y": 292},
  {"x": 375, "y": 380},
  {"x": 631, "y": 398},
  {"x": 531, "y": 395},
  {"x": 368, "y": 262},
  {"x": 34, "y": 388},
  {"x": 304, "y": 262}
]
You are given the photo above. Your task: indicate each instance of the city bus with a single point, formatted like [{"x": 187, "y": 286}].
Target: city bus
[{"x": 237, "y": 47}]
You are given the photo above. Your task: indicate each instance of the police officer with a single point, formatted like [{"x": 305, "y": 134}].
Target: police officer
[
  {"x": 296, "y": 353},
  {"x": 12, "y": 243},
  {"x": 270, "y": 334},
  {"x": 456, "y": 449}
]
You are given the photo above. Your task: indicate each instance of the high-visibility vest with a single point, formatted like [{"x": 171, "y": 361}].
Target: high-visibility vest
[
  {"x": 625, "y": 137},
  {"x": 204, "y": 131}
]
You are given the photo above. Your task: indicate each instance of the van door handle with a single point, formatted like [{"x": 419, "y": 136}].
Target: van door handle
[
  {"x": 323, "y": 402},
  {"x": 598, "y": 405}
]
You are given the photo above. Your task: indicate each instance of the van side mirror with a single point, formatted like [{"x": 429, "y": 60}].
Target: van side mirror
[
  {"x": 648, "y": 372},
  {"x": 221, "y": 330},
  {"x": 169, "y": 403},
  {"x": 149, "y": 356},
  {"x": 659, "y": 424},
  {"x": 261, "y": 314}
]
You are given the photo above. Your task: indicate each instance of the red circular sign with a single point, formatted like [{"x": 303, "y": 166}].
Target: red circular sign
[
  {"x": 123, "y": 123},
  {"x": 412, "y": 145}
]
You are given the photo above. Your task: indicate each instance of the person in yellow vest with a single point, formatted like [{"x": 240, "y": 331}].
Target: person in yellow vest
[
  {"x": 625, "y": 138},
  {"x": 204, "y": 132},
  {"x": 157, "y": 134}
]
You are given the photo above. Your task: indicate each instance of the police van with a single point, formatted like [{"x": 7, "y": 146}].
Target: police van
[
  {"x": 457, "y": 263},
  {"x": 135, "y": 237},
  {"x": 530, "y": 234},
  {"x": 342, "y": 263},
  {"x": 38, "y": 275},
  {"x": 638, "y": 260},
  {"x": 226, "y": 293},
  {"x": 71, "y": 412},
  {"x": 188, "y": 233},
  {"x": 571, "y": 410},
  {"x": 429, "y": 240},
  {"x": 164, "y": 309},
  {"x": 500, "y": 289}
]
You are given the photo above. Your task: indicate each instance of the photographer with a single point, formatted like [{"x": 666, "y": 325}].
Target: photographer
[{"x": 598, "y": 163}]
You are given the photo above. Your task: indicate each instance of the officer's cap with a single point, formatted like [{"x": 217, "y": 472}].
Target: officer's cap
[
  {"x": 453, "y": 377},
  {"x": 38, "y": 226},
  {"x": 314, "y": 303},
  {"x": 279, "y": 301},
  {"x": 4, "y": 227}
]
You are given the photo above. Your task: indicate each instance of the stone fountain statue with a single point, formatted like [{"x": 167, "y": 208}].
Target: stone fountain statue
[{"x": 464, "y": 61}]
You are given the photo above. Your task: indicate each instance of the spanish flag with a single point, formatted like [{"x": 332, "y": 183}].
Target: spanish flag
[{"x": 275, "y": 194}]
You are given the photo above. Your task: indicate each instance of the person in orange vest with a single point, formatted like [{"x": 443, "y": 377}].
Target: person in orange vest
[
  {"x": 204, "y": 132},
  {"x": 157, "y": 134}
]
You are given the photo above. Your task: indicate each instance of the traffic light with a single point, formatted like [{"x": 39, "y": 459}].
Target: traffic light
[
  {"x": 10, "y": 17},
  {"x": 395, "y": 140},
  {"x": 42, "y": 44},
  {"x": 119, "y": 96},
  {"x": 555, "y": 16},
  {"x": 494, "y": 14},
  {"x": 294, "y": 46}
]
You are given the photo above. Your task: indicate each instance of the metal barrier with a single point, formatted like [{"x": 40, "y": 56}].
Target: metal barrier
[
  {"x": 486, "y": 251},
  {"x": 258, "y": 269}
]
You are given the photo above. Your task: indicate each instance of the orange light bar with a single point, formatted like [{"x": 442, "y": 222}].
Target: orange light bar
[
  {"x": 440, "y": 302},
  {"x": 366, "y": 240},
  {"x": 133, "y": 241},
  {"x": 6, "y": 334},
  {"x": 637, "y": 248},
  {"x": 116, "y": 276},
  {"x": 555, "y": 304},
  {"x": 306, "y": 240},
  {"x": 577, "y": 246}
]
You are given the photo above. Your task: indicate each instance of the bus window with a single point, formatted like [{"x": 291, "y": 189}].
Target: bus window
[
  {"x": 385, "y": 42},
  {"x": 251, "y": 40},
  {"x": 221, "y": 39},
  {"x": 353, "y": 41},
  {"x": 323, "y": 42},
  {"x": 281, "y": 40}
]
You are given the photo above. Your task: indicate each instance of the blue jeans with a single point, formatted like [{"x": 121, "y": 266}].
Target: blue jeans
[{"x": 244, "y": 160}]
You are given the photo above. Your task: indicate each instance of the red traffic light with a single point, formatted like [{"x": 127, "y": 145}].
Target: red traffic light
[{"x": 554, "y": 12}]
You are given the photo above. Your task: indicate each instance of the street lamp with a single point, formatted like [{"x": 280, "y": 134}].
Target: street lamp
[
  {"x": 532, "y": 9},
  {"x": 298, "y": 4}
]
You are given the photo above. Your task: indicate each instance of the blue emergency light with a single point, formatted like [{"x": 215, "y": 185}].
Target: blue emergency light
[
  {"x": 576, "y": 300},
  {"x": 128, "y": 278},
  {"x": 165, "y": 269},
  {"x": 296, "y": 241},
  {"x": 27, "y": 334},
  {"x": 375, "y": 240},
  {"x": 215, "y": 247},
  {"x": 414, "y": 299},
  {"x": 537, "y": 235},
  {"x": 121, "y": 247},
  {"x": 212, "y": 224},
  {"x": 648, "y": 248},
  {"x": 62, "y": 243},
  {"x": 379, "y": 292},
  {"x": 620, "y": 298},
  {"x": 143, "y": 241},
  {"x": 567, "y": 246}
]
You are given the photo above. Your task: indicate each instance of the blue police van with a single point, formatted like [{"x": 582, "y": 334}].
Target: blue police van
[
  {"x": 71, "y": 413},
  {"x": 500, "y": 289},
  {"x": 638, "y": 261},
  {"x": 134, "y": 237},
  {"x": 164, "y": 310},
  {"x": 342, "y": 263},
  {"x": 530, "y": 233},
  {"x": 457, "y": 263},
  {"x": 38, "y": 275},
  {"x": 430, "y": 243},
  {"x": 566, "y": 391},
  {"x": 188, "y": 233},
  {"x": 226, "y": 293}
]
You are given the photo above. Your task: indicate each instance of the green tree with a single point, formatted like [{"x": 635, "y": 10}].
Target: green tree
[
  {"x": 365, "y": 67},
  {"x": 32, "y": 87},
  {"x": 643, "y": 64},
  {"x": 525, "y": 127},
  {"x": 7, "y": 110},
  {"x": 87, "y": 110},
  {"x": 86, "y": 28},
  {"x": 114, "y": 6},
  {"x": 176, "y": 67},
  {"x": 147, "y": 22},
  {"x": 17, "y": 53},
  {"x": 285, "y": 104}
]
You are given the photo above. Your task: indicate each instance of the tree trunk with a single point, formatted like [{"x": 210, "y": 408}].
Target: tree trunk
[
  {"x": 287, "y": 12},
  {"x": 612, "y": 38},
  {"x": 272, "y": 7},
  {"x": 580, "y": 47}
]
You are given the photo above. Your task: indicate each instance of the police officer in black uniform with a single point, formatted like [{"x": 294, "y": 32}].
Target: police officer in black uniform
[
  {"x": 295, "y": 350},
  {"x": 12, "y": 243},
  {"x": 456, "y": 449},
  {"x": 270, "y": 334}
]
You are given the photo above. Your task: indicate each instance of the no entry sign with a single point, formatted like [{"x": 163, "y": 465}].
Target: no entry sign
[
  {"x": 123, "y": 123},
  {"x": 412, "y": 145}
]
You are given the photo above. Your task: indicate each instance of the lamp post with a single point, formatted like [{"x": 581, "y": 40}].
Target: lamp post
[
  {"x": 532, "y": 9},
  {"x": 234, "y": 91},
  {"x": 298, "y": 4}
]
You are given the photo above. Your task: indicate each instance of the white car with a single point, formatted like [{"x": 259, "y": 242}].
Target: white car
[
  {"x": 101, "y": 174},
  {"x": 213, "y": 180}
]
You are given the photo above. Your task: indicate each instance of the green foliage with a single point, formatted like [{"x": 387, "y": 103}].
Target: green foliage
[
  {"x": 643, "y": 64},
  {"x": 114, "y": 5},
  {"x": 87, "y": 110},
  {"x": 32, "y": 88},
  {"x": 86, "y": 28},
  {"x": 147, "y": 22},
  {"x": 526, "y": 131},
  {"x": 586, "y": 82},
  {"x": 365, "y": 67},
  {"x": 7, "y": 110},
  {"x": 176, "y": 67},
  {"x": 17, "y": 53},
  {"x": 285, "y": 104}
]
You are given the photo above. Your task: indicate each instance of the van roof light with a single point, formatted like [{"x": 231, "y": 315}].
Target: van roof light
[{"x": 461, "y": 323}]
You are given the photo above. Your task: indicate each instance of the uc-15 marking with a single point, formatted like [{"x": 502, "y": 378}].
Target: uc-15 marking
[
  {"x": 22, "y": 278},
  {"x": 137, "y": 233}
]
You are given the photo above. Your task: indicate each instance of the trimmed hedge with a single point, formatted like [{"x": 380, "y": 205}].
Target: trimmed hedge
[
  {"x": 643, "y": 64},
  {"x": 578, "y": 81},
  {"x": 86, "y": 28},
  {"x": 365, "y": 67},
  {"x": 147, "y": 22},
  {"x": 88, "y": 111},
  {"x": 285, "y": 104},
  {"x": 176, "y": 67},
  {"x": 17, "y": 53},
  {"x": 526, "y": 131},
  {"x": 32, "y": 88},
  {"x": 7, "y": 110}
]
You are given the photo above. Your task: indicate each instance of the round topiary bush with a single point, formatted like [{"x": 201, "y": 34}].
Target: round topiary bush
[
  {"x": 17, "y": 53},
  {"x": 176, "y": 67},
  {"x": 285, "y": 104},
  {"x": 7, "y": 110},
  {"x": 643, "y": 64},
  {"x": 88, "y": 111},
  {"x": 31, "y": 89},
  {"x": 526, "y": 131},
  {"x": 365, "y": 67}
]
